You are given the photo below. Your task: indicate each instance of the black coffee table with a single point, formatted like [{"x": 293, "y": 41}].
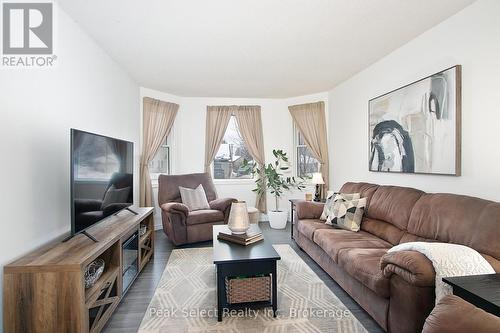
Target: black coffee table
[
  {"x": 481, "y": 290},
  {"x": 237, "y": 260}
]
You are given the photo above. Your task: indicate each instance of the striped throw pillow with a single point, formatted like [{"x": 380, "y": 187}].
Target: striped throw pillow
[{"x": 194, "y": 199}]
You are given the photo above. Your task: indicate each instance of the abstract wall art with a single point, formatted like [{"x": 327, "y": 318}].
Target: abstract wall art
[{"x": 416, "y": 128}]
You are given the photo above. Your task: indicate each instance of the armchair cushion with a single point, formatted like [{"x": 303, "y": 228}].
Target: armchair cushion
[
  {"x": 221, "y": 204},
  {"x": 411, "y": 266},
  {"x": 204, "y": 216},
  {"x": 194, "y": 199}
]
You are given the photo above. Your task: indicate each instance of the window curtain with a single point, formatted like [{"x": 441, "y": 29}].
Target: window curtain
[
  {"x": 158, "y": 118},
  {"x": 217, "y": 120},
  {"x": 250, "y": 126},
  {"x": 311, "y": 122}
]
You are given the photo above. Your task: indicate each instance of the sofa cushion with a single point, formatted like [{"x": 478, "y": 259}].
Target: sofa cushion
[
  {"x": 204, "y": 216},
  {"x": 382, "y": 229},
  {"x": 393, "y": 205},
  {"x": 307, "y": 227},
  {"x": 334, "y": 240},
  {"x": 364, "y": 266}
]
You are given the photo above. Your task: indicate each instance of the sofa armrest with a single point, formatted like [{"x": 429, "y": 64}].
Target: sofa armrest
[
  {"x": 309, "y": 209},
  {"x": 175, "y": 208},
  {"x": 452, "y": 314},
  {"x": 411, "y": 266},
  {"x": 221, "y": 204}
]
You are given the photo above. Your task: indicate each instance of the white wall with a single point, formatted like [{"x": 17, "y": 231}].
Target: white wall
[
  {"x": 86, "y": 90},
  {"x": 189, "y": 137},
  {"x": 470, "y": 38}
]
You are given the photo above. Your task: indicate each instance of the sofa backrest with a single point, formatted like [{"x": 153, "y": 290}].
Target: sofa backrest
[
  {"x": 402, "y": 214},
  {"x": 365, "y": 189},
  {"x": 457, "y": 219},
  {"x": 388, "y": 208},
  {"x": 168, "y": 186}
]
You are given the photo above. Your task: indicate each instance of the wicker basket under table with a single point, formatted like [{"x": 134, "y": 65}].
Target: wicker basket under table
[{"x": 250, "y": 289}]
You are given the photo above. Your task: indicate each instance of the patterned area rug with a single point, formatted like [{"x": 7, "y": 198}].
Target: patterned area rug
[{"x": 185, "y": 300}]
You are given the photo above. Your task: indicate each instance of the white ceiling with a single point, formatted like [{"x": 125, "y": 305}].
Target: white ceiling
[{"x": 252, "y": 48}]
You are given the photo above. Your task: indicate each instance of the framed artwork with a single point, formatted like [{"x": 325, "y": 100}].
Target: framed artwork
[{"x": 417, "y": 128}]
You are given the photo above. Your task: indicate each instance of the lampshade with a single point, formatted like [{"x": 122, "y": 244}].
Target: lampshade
[
  {"x": 238, "y": 221},
  {"x": 317, "y": 178}
]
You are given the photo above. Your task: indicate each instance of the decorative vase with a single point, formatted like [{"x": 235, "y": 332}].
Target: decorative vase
[
  {"x": 238, "y": 221},
  {"x": 277, "y": 219}
]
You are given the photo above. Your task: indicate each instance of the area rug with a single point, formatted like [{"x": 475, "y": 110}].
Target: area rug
[{"x": 185, "y": 300}]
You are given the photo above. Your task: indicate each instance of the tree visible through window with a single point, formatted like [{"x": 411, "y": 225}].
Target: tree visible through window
[
  {"x": 306, "y": 163},
  {"x": 228, "y": 162}
]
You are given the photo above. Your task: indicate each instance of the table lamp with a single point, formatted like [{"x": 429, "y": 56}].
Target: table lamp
[
  {"x": 238, "y": 221},
  {"x": 317, "y": 179}
]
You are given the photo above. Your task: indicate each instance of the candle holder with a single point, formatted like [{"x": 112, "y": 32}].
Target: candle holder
[{"x": 238, "y": 221}]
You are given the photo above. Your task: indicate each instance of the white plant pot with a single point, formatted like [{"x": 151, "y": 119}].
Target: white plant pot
[{"x": 277, "y": 220}]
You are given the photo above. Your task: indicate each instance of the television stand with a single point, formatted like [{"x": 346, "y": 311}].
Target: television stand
[
  {"x": 129, "y": 209},
  {"x": 44, "y": 291}
]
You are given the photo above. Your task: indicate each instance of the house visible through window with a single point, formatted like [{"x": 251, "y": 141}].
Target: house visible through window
[
  {"x": 306, "y": 163},
  {"x": 161, "y": 162},
  {"x": 229, "y": 158}
]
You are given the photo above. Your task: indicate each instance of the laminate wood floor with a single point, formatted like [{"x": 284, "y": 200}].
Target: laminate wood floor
[{"x": 129, "y": 314}]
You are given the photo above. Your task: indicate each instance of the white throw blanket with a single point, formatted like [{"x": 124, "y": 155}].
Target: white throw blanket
[{"x": 448, "y": 260}]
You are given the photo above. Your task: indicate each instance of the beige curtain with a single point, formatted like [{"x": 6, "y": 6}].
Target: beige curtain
[
  {"x": 250, "y": 125},
  {"x": 158, "y": 118},
  {"x": 311, "y": 121},
  {"x": 217, "y": 120}
]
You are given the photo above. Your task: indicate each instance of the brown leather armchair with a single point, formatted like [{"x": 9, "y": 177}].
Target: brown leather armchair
[{"x": 181, "y": 225}]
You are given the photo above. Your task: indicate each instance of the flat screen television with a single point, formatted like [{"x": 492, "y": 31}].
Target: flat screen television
[{"x": 102, "y": 173}]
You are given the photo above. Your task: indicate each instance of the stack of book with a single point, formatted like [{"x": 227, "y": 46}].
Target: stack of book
[{"x": 250, "y": 237}]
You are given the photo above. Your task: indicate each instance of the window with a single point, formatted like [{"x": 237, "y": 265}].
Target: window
[
  {"x": 161, "y": 162},
  {"x": 306, "y": 163},
  {"x": 229, "y": 158}
]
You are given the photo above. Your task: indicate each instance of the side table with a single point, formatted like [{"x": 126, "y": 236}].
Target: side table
[{"x": 482, "y": 291}]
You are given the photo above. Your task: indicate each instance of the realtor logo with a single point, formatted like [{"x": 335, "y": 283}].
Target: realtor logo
[{"x": 27, "y": 29}]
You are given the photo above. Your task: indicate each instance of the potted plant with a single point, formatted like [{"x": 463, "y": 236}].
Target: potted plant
[{"x": 276, "y": 183}]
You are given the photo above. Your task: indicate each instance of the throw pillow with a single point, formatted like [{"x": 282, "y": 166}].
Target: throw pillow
[
  {"x": 194, "y": 199},
  {"x": 347, "y": 214},
  {"x": 114, "y": 195},
  {"x": 331, "y": 197}
]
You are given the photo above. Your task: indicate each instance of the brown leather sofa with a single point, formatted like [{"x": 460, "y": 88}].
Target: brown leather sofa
[
  {"x": 397, "y": 289},
  {"x": 454, "y": 315},
  {"x": 181, "y": 225}
]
